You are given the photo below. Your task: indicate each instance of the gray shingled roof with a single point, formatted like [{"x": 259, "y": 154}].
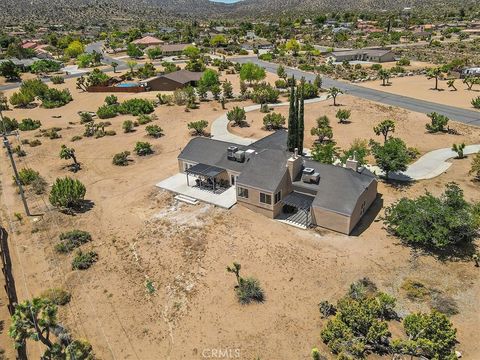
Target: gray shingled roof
[
  {"x": 265, "y": 170},
  {"x": 339, "y": 188},
  {"x": 183, "y": 76}
]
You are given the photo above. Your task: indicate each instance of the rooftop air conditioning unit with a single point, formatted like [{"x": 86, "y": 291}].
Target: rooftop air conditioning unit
[
  {"x": 231, "y": 150},
  {"x": 309, "y": 176},
  {"x": 240, "y": 156}
]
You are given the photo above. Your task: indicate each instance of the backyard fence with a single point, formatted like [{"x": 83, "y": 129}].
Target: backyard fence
[
  {"x": 9, "y": 282},
  {"x": 111, "y": 89}
]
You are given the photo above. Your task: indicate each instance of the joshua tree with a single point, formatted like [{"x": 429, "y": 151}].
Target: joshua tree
[
  {"x": 384, "y": 128},
  {"x": 458, "y": 148},
  {"x": 237, "y": 115},
  {"x": 281, "y": 72},
  {"x": 434, "y": 73},
  {"x": 114, "y": 66},
  {"x": 235, "y": 269},
  {"x": 333, "y": 92},
  {"x": 384, "y": 75},
  {"x": 67, "y": 153},
  {"x": 131, "y": 64},
  {"x": 475, "y": 169},
  {"x": 451, "y": 84}
]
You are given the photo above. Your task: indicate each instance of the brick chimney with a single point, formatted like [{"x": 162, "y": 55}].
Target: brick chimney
[
  {"x": 352, "y": 162},
  {"x": 294, "y": 165}
]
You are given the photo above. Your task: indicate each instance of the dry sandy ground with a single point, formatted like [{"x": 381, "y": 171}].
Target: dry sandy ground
[
  {"x": 141, "y": 233},
  {"x": 365, "y": 115},
  {"x": 420, "y": 87}
]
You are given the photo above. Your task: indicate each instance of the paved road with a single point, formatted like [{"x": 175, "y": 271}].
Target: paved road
[{"x": 470, "y": 117}]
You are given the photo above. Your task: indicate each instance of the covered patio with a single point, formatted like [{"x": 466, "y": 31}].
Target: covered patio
[
  {"x": 206, "y": 176},
  {"x": 296, "y": 210}
]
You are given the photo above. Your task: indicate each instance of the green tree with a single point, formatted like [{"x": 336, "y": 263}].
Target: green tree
[
  {"x": 293, "y": 46},
  {"x": 435, "y": 73},
  {"x": 475, "y": 168},
  {"x": 127, "y": 126},
  {"x": 209, "y": 78},
  {"x": 429, "y": 335},
  {"x": 74, "y": 49},
  {"x": 237, "y": 115},
  {"x": 252, "y": 72},
  {"x": 451, "y": 84},
  {"x": 192, "y": 52},
  {"x": 301, "y": 115},
  {"x": 281, "y": 72},
  {"x": 67, "y": 193},
  {"x": 392, "y": 156},
  {"x": 121, "y": 159},
  {"x": 384, "y": 128},
  {"x": 143, "y": 148},
  {"x": 198, "y": 127},
  {"x": 322, "y": 130},
  {"x": 438, "y": 122},
  {"x": 67, "y": 153},
  {"x": 359, "y": 150},
  {"x": 433, "y": 223},
  {"x": 227, "y": 89},
  {"x": 134, "y": 51},
  {"x": 218, "y": 40},
  {"x": 476, "y": 102},
  {"x": 273, "y": 121},
  {"x": 325, "y": 152},
  {"x": 154, "y": 53},
  {"x": 459, "y": 148},
  {"x": 384, "y": 75},
  {"x": 114, "y": 65},
  {"x": 154, "y": 131},
  {"x": 292, "y": 120},
  {"x": 343, "y": 115},
  {"x": 9, "y": 71},
  {"x": 131, "y": 64},
  {"x": 333, "y": 92}
]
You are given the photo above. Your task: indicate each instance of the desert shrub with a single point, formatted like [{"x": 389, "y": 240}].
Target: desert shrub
[
  {"x": 310, "y": 91},
  {"x": 264, "y": 93},
  {"x": 326, "y": 309},
  {"x": 53, "y": 98},
  {"x": 136, "y": 107},
  {"x": 111, "y": 100},
  {"x": 127, "y": 126},
  {"x": 71, "y": 240},
  {"x": 67, "y": 193},
  {"x": 165, "y": 99},
  {"x": 359, "y": 148},
  {"x": 415, "y": 290},
  {"x": 476, "y": 102},
  {"x": 438, "y": 122},
  {"x": 79, "y": 350},
  {"x": 51, "y": 133},
  {"x": 57, "y": 296},
  {"x": 19, "y": 151},
  {"x": 8, "y": 125},
  {"x": 39, "y": 185},
  {"x": 110, "y": 133},
  {"x": 27, "y": 176},
  {"x": 145, "y": 119},
  {"x": 83, "y": 260},
  {"x": 280, "y": 84},
  {"x": 249, "y": 290},
  {"x": 57, "y": 80},
  {"x": 237, "y": 115},
  {"x": 21, "y": 99},
  {"x": 107, "y": 111},
  {"x": 403, "y": 62},
  {"x": 154, "y": 131},
  {"x": 85, "y": 117},
  {"x": 433, "y": 223},
  {"x": 34, "y": 143},
  {"x": 76, "y": 138},
  {"x": 273, "y": 121},
  {"x": 121, "y": 159},
  {"x": 143, "y": 148},
  {"x": 264, "y": 108},
  {"x": 29, "y": 124},
  {"x": 198, "y": 127},
  {"x": 444, "y": 304}
]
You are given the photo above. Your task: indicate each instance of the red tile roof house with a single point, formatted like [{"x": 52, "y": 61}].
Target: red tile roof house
[{"x": 148, "y": 41}]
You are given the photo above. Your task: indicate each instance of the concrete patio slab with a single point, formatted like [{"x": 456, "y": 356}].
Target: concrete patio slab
[{"x": 178, "y": 184}]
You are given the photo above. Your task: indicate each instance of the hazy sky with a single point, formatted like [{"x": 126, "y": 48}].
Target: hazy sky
[{"x": 226, "y": 1}]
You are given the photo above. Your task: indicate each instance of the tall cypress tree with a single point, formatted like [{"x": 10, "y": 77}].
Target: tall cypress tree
[
  {"x": 301, "y": 119},
  {"x": 292, "y": 120}
]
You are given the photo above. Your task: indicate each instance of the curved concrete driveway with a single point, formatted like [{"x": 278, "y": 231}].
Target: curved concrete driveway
[
  {"x": 430, "y": 165},
  {"x": 219, "y": 128}
]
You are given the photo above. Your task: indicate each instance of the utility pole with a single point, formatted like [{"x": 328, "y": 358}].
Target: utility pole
[{"x": 6, "y": 143}]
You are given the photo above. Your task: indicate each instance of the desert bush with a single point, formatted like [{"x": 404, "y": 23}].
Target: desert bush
[
  {"x": 57, "y": 80},
  {"x": 111, "y": 100},
  {"x": 53, "y": 98},
  {"x": 145, "y": 119},
  {"x": 154, "y": 131},
  {"x": 264, "y": 93},
  {"x": 476, "y": 102},
  {"x": 310, "y": 91},
  {"x": 85, "y": 117},
  {"x": 136, "y": 107},
  {"x": 8, "y": 125},
  {"x": 27, "y": 176},
  {"x": 19, "y": 151},
  {"x": 280, "y": 84},
  {"x": 107, "y": 111},
  {"x": 237, "y": 116},
  {"x": 76, "y": 138},
  {"x": 327, "y": 309},
  {"x": 34, "y": 143},
  {"x": 249, "y": 290},
  {"x": 127, "y": 126},
  {"x": 121, "y": 159},
  {"x": 29, "y": 124},
  {"x": 403, "y": 62},
  {"x": 165, "y": 99},
  {"x": 143, "y": 148},
  {"x": 444, "y": 304},
  {"x": 67, "y": 193},
  {"x": 39, "y": 185},
  {"x": 415, "y": 290},
  {"x": 57, "y": 296},
  {"x": 83, "y": 260},
  {"x": 71, "y": 240},
  {"x": 273, "y": 121},
  {"x": 198, "y": 127},
  {"x": 438, "y": 122}
]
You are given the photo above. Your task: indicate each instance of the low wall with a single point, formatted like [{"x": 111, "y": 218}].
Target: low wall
[{"x": 109, "y": 89}]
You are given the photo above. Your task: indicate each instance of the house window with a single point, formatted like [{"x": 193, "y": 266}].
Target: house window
[
  {"x": 187, "y": 166},
  {"x": 278, "y": 196},
  {"x": 265, "y": 198},
  {"x": 232, "y": 179},
  {"x": 242, "y": 192}
]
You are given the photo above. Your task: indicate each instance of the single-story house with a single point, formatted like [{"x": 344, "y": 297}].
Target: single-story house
[
  {"x": 372, "y": 55},
  {"x": 273, "y": 181},
  {"x": 148, "y": 41},
  {"x": 472, "y": 71},
  {"x": 173, "y": 49},
  {"x": 172, "y": 81}
]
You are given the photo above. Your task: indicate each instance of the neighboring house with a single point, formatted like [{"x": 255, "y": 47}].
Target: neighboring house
[
  {"x": 148, "y": 41},
  {"x": 274, "y": 182},
  {"x": 173, "y": 49},
  {"x": 473, "y": 71},
  {"x": 172, "y": 81},
  {"x": 372, "y": 55}
]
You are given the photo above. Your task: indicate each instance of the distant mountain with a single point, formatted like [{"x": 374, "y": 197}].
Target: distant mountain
[{"x": 82, "y": 11}]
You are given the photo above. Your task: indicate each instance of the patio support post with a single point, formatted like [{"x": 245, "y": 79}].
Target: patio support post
[{"x": 187, "y": 179}]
